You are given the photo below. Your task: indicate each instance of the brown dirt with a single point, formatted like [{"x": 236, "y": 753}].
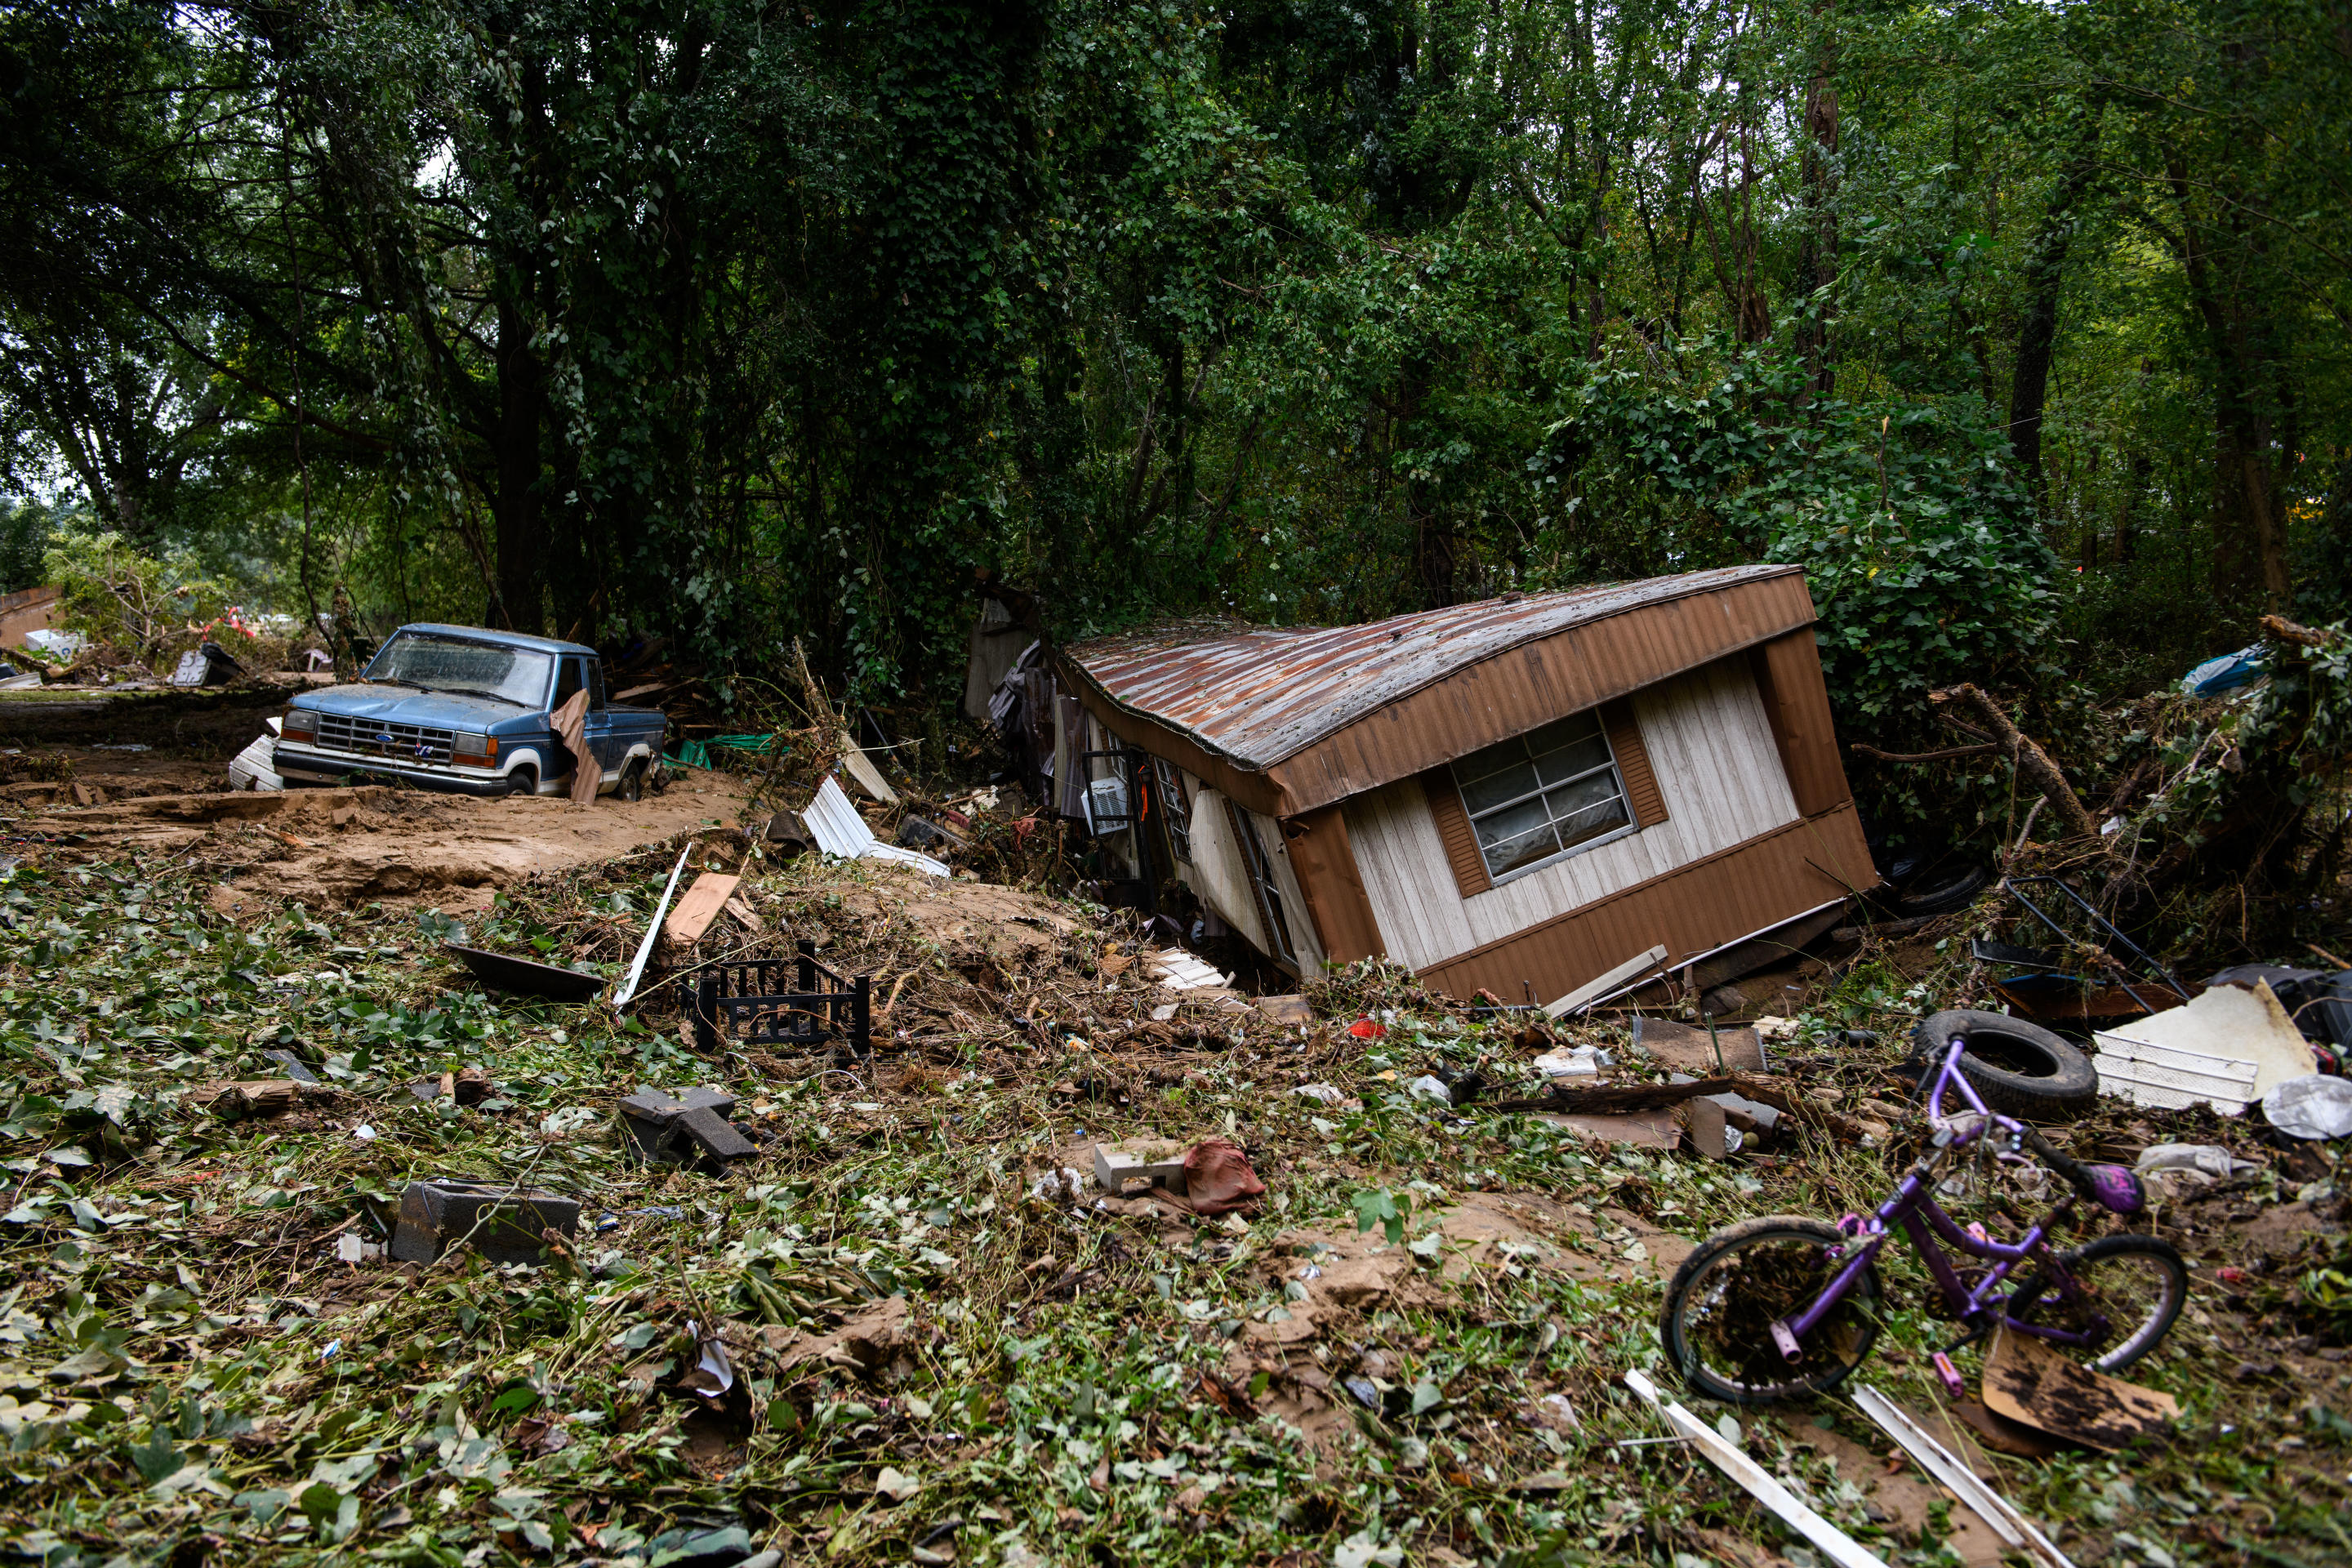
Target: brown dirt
[{"x": 349, "y": 847}]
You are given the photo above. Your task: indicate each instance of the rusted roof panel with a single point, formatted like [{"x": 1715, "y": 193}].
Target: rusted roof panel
[{"x": 1259, "y": 695}]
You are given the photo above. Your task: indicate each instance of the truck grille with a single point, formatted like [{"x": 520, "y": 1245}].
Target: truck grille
[{"x": 404, "y": 742}]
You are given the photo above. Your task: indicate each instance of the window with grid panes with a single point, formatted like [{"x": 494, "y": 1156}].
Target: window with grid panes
[{"x": 1542, "y": 794}]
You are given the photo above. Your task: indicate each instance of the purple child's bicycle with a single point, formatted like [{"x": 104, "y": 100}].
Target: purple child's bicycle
[{"x": 1782, "y": 1307}]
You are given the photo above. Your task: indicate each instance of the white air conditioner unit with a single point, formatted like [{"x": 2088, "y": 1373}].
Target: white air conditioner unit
[{"x": 1107, "y": 802}]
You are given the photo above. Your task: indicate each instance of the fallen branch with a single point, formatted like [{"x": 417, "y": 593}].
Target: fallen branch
[
  {"x": 2289, "y": 631},
  {"x": 2032, "y": 761},
  {"x": 1986, "y": 749},
  {"x": 1612, "y": 1099}
]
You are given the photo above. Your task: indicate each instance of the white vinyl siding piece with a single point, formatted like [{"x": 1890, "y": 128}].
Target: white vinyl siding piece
[
  {"x": 1711, "y": 747},
  {"x": 1218, "y": 873}
]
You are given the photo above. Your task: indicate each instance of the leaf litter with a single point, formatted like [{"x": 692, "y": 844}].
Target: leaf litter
[{"x": 912, "y": 1328}]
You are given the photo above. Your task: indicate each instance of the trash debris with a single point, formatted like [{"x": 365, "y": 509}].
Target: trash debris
[
  {"x": 350, "y": 1248},
  {"x": 2311, "y": 1107},
  {"x": 504, "y": 971},
  {"x": 1365, "y": 1029},
  {"x": 2225, "y": 673},
  {"x": 467, "y": 1086},
  {"x": 1218, "y": 1178},
  {"x": 2200, "y": 1161},
  {"x": 252, "y": 768},
  {"x": 1842, "y": 1548},
  {"x": 505, "y": 1225},
  {"x": 713, "y": 1374},
  {"x": 2026, "y": 1380},
  {"x": 1327, "y": 1093},
  {"x": 2227, "y": 1047},
  {"x": 1579, "y": 1061},
  {"x": 691, "y": 1128},
  {"x": 1180, "y": 971},
  {"x": 296, "y": 1068},
  {"x": 249, "y": 1097},
  {"x": 1429, "y": 1088},
  {"x": 208, "y": 663},
  {"x": 839, "y": 831}
]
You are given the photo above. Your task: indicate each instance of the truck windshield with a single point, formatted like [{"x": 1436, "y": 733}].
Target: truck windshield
[{"x": 452, "y": 664}]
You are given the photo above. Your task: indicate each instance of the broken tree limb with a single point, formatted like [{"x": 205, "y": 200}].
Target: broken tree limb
[
  {"x": 2032, "y": 761},
  {"x": 1982, "y": 749},
  {"x": 1610, "y": 1100},
  {"x": 2288, "y": 631}
]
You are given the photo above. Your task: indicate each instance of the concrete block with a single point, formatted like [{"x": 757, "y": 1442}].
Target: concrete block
[
  {"x": 1124, "y": 1168},
  {"x": 503, "y": 1224}
]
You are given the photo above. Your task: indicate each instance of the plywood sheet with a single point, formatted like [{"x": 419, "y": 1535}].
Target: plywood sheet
[{"x": 700, "y": 906}]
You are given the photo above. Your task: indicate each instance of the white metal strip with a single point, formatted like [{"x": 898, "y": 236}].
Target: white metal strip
[
  {"x": 1947, "y": 1466},
  {"x": 1841, "y": 1546},
  {"x": 653, "y": 929}
]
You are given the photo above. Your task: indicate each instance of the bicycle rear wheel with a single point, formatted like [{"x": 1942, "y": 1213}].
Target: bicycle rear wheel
[
  {"x": 2136, "y": 1282},
  {"x": 1717, "y": 1326}
]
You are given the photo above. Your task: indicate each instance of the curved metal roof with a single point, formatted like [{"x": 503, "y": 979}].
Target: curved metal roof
[{"x": 1259, "y": 695}]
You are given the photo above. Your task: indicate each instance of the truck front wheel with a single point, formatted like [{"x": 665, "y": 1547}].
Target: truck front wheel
[
  {"x": 523, "y": 781},
  {"x": 633, "y": 780}
]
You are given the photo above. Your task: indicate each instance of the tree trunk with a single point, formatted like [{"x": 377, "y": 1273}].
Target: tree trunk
[
  {"x": 516, "y": 503},
  {"x": 1817, "y": 260},
  {"x": 2037, "y": 337}
]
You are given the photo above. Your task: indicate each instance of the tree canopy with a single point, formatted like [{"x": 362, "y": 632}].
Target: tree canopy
[{"x": 737, "y": 322}]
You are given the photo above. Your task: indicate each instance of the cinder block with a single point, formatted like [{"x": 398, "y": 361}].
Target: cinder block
[
  {"x": 504, "y": 1224},
  {"x": 1130, "y": 1167}
]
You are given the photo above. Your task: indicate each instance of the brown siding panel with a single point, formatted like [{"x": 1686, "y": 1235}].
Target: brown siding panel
[
  {"x": 1641, "y": 791},
  {"x": 1325, "y": 863},
  {"x": 1771, "y": 878},
  {"x": 1454, "y": 826},
  {"x": 1797, "y": 700},
  {"x": 1570, "y": 671}
]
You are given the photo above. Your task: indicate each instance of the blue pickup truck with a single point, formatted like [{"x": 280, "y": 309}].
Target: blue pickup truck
[{"x": 458, "y": 708}]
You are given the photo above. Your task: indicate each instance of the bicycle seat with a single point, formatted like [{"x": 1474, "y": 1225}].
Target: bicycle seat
[{"x": 2115, "y": 1188}]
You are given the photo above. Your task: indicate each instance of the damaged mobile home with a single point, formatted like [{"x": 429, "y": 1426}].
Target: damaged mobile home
[{"x": 1514, "y": 795}]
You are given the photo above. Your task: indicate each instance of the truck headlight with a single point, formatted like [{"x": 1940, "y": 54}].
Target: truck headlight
[
  {"x": 300, "y": 724},
  {"x": 473, "y": 750}
]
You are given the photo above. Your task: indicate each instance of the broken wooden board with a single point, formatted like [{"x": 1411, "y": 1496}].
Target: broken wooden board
[
  {"x": 2028, "y": 1381},
  {"x": 1689, "y": 1050},
  {"x": 863, "y": 774},
  {"x": 2003, "y": 1436},
  {"x": 1642, "y": 1130},
  {"x": 700, "y": 906},
  {"x": 1286, "y": 1009},
  {"x": 1639, "y": 965}
]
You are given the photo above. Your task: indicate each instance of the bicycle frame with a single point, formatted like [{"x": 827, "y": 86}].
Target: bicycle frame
[{"x": 1913, "y": 1211}]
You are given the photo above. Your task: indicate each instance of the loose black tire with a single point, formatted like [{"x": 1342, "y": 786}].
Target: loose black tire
[
  {"x": 2154, "y": 1274},
  {"x": 1739, "y": 1308},
  {"x": 632, "y": 787},
  {"x": 2019, "y": 1068},
  {"x": 1941, "y": 892}
]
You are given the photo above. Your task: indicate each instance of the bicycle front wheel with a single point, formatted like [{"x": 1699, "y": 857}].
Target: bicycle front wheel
[
  {"x": 2137, "y": 1284},
  {"x": 1725, "y": 1299}
]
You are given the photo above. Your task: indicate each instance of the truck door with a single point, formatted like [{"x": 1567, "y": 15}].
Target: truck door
[{"x": 605, "y": 740}]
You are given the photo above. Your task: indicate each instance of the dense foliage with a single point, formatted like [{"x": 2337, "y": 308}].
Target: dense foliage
[{"x": 734, "y": 322}]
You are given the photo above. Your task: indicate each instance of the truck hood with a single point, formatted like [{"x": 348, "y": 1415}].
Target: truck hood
[{"x": 405, "y": 705}]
